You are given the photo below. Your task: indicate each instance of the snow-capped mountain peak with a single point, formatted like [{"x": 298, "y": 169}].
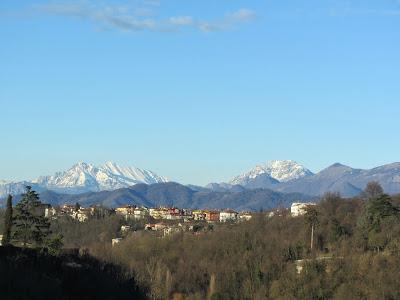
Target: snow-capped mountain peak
[
  {"x": 280, "y": 170},
  {"x": 84, "y": 177}
]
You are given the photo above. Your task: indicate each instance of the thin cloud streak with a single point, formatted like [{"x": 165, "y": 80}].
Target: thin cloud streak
[
  {"x": 129, "y": 19},
  {"x": 242, "y": 15},
  {"x": 349, "y": 11}
]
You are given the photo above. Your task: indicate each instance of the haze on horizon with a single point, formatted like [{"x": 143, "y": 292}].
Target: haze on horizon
[{"x": 198, "y": 91}]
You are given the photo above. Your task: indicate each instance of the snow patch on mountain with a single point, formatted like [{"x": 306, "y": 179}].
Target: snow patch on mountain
[{"x": 280, "y": 170}]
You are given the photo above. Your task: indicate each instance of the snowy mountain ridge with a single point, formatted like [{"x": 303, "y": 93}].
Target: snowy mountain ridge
[{"x": 83, "y": 177}]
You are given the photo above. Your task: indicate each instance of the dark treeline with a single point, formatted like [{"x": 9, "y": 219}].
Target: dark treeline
[
  {"x": 355, "y": 253},
  {"x": 27, "y": 273}
]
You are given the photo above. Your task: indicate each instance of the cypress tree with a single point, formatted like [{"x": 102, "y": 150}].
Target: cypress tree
[
  {"x": 7, "y": 222},
  {"x": 311, "y": 218}
]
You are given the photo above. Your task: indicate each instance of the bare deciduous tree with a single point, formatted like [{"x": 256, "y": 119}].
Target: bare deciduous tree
[{"x": 373, "y": 190}]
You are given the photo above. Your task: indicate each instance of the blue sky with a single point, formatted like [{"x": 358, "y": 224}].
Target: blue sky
[{"x": 198, "y": 91}]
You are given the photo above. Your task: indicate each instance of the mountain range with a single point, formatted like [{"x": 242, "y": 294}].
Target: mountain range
[
  {"x": 288, "y": 176},
  {"x": 266, "y": 185},
  {"x": 346, "y": 180}
]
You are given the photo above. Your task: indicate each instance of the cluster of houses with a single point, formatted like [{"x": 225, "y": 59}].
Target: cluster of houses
[
  {"x": 131, "y": 212},
  {"x": 193, "y": 221},
  {"x": 76, "y": 212},
  {"x": 168, "y": 229},
  {"x": 189, "y": 220},
  {"x": 185, "y": 215}
]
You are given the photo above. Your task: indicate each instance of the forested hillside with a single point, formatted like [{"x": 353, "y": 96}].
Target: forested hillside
[{"x": 356, "y": 256}]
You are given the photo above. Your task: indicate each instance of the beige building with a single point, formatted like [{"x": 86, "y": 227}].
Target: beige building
[
  {"x": 199, "y": 215},
  {"x": 125, "y": 210}
]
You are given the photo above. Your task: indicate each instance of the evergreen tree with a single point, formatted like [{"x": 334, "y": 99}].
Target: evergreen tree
[
  {"x": 8, "y": 222},
  {"x": 375, "y": 211},
  {"x": 55, "y": 244},
  {"x": 31, "y": 227}
]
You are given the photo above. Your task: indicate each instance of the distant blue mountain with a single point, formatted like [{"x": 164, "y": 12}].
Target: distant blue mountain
[{"x": 175, "y": 194}]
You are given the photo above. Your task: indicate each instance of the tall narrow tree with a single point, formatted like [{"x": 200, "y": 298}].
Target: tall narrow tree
[
  {"x": 311, "y": 218},
  {"x": 7, "y": 222}
]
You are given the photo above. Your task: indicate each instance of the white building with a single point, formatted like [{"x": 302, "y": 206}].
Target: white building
[
  {"x": 300, "y": 209},
  {"x": 245, "y": 216},
  {"x": 82, "y": 215},
  {"x": 49, "y": 212},
  {"x": 172, "y": 230},
  {"x": 116, "y": 241},
  {"x": 125, "y": 228},
  {"x": 228, "y": 215}
]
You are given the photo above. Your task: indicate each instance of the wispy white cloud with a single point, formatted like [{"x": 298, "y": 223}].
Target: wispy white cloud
[
  {"x": 142, "y": 18},
  {"x": 181, "y": 21},
  {"x": 242, "y": 15},
  {"x": 230, "y": 20},
  {"x": 122, "y": 17}
]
